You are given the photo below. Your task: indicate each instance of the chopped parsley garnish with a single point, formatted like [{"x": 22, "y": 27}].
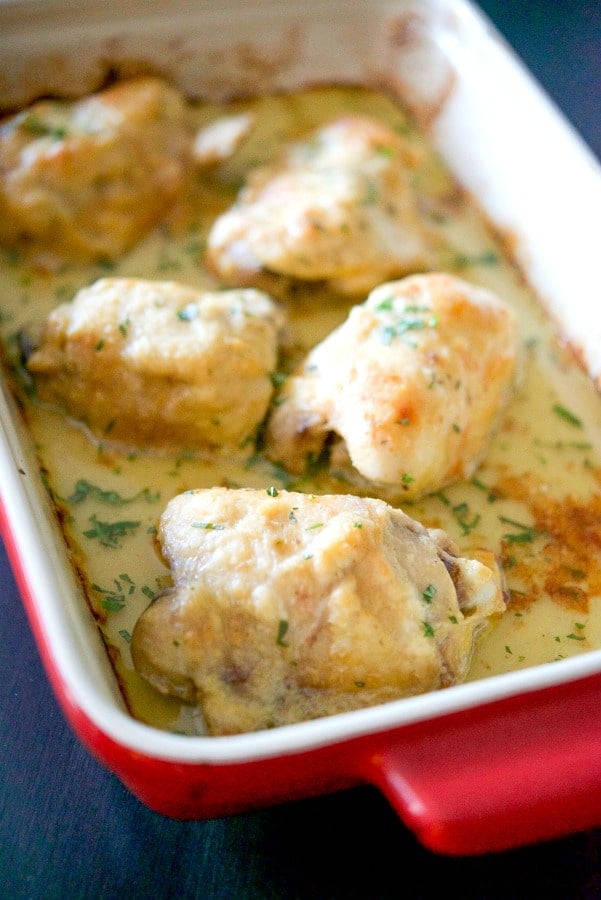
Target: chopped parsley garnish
[
  {"x": 412, "y": 318},
  {"x": 85, "y": 489},
  {"x": 462, "y": 515},
  {"x": 114, "y": 600},
  {"x": 110, "y": 533},
  {"x": 282, "y": 629},
  {"x": 525, "y": 534},
  {"x": 463, "y": 261},
  {"x": 38, "y": 127},
  {"x": 567, "y": 416},
  {"x": 429, "y": 593},
  {"x": 188, "y": 313},
  {"x": 278, "y": 379},
  {"x": 124, "y": 325}
]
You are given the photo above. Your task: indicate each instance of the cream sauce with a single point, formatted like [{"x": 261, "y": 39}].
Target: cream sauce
[{"x": 536, "y": 500}]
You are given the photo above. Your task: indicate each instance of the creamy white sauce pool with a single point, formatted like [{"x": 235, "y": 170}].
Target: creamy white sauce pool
[{"x": 536, "y": 500}]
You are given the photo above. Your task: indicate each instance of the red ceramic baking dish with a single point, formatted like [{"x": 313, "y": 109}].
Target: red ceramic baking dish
[{"x": 505, "y": 758}]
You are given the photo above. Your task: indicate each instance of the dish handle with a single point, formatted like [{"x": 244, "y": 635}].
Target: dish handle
[{"x": 514, "y": 772}]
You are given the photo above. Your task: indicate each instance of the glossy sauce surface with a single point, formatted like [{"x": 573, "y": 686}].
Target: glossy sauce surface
[{"x": 535, "y": 501}]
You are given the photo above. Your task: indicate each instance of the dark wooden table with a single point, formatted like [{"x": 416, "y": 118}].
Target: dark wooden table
[{"x": 69, "y": 829}]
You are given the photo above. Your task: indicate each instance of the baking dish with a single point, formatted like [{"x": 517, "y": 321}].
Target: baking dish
[{"x": 486, "y": 765}]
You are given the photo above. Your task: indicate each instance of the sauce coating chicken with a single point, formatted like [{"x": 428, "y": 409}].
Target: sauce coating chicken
[
  {"x": 289, "y": 606},
  {"x": 409, "y": 387},
  {"x": 160, "y": 364},
  {"x": 87, "y": 179},
  {"x": 337, "y": 206}
]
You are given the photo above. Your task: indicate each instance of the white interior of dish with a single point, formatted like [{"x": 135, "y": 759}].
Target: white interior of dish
[{"x": 500, "y": 135}]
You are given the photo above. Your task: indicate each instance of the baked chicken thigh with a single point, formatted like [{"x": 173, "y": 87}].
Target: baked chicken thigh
[
  {"x": 288, "y": 606},
  {"x": 160, "y": 364},
  {"x": 407, "y": 390},
  {"x": 337, "y": 206},
  {"x": 87, "y": 179}
]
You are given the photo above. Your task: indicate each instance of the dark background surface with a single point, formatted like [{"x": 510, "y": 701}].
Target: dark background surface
[{"x": 69, "y": 829}]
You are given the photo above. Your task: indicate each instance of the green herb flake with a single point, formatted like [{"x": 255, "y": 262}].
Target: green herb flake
[
  {"x": 113, "y": 600},
  {"x": 111, "y": 604},
  {"x": 429, "y": 593},
  {"x": 523, "y": 538},
  {"x": 567, "y": 416},
  {"x": 525, "y": 535},
  {"x": 188, "y": 313},
  {"x": 462, "y": 515},
  {"x": 272, "y": 491},
  {"x": 39, "y": 128},
  {"x": 84, "y": 489},
  {"x": 282, "y": 629},
  {"x": 580, "y": 626},
  {"x": 386, "y": 305},
  {"x": 412, "y": 319},
  {"x": 492, "y": 494},
  {"x": 123, "y": 326},
  {"x": 278, "y": 379},
  {"x": 463, "y": 261},
  {"x": 110, "y": 533},
  {"x": 208, "y": 526},
  {"x": 428, "y": 630},
  {"x": 372, "y": 193}
]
